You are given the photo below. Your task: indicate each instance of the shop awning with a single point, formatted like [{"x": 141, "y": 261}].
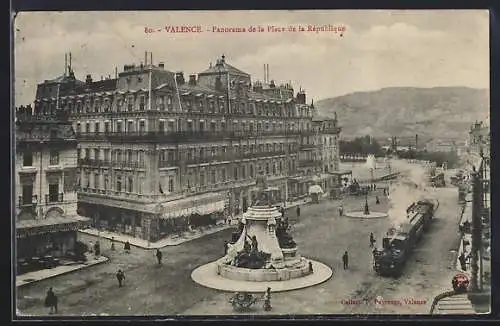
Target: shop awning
[
  {"x": 203, "y": 209},
  {"x": 201, "y": 204},
  {"x": 25, "y": 228}
]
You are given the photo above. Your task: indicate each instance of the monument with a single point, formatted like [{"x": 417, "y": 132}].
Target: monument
[{"x": 264, "y": 255}]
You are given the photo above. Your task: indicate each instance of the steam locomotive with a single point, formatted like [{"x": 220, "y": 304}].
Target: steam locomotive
[{"x": 398, "y": 243}]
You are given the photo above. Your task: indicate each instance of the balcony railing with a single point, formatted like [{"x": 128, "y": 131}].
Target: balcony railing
[
  {"x": 54, "y": 198},
  {"x": 27, "y": 201},
  {"x": 232, "y": 157},
  {"x": 179, "y": 136},
  {"x": 335, "y": 130},
  {"x": 168, "y": 163},
  {"x": 309, "y": 163},
  {"x": 308, "y": 146},
  {"x": 117, "y": 164}
]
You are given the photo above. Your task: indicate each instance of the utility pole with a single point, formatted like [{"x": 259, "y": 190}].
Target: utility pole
[{"x": 476, "y": 230}]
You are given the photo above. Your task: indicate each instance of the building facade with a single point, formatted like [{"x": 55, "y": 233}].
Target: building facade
[
  {"x": 478, "y": 150},
  {"x": 45, "y": 193},
  {"x": 158, "y": 152}
]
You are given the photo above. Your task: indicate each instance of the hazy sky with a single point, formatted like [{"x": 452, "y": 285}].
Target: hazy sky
[{"x": 378, "y": 49}]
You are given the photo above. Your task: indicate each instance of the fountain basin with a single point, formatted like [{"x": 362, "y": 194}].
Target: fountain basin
[
  {"x": 207, "y": 276},
  {"x": 264, "y": 274}
]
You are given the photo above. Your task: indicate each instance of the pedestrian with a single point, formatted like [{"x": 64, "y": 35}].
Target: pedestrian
[
  {"x": 113, "y": 243},
  {"x": 385, "y": 192},
  {"x": 341, "y": 210},
  {"x": 282, "y": 212},
  {"x": 298, "y": 211},
  {"x": 225, "y": 247},
  {"x": 372, "y": 240},
  {"x": 374, "y": 186},
  {"x": 159, "y": 256},
  {"x": 377, "y": 200},
  {"x": 51, "y": 301},
  {"x": 120, "y": 276},
  {"x": 462, "y": 261},
  {"x": 97, "y": 249},
  {"x": 267, "y": 300},
  {"x": 345, "y": 260},
  {"x": 126, "y": 247}
]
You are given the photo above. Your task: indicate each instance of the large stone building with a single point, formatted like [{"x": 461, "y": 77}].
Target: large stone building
[
  {"x": 478, "y": 150},
  {"x": 157, "y": 151},
  {"x": 45, "y": 193}
]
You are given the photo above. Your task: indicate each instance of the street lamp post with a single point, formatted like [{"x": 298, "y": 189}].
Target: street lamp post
[
  {"x": 367, "y": 211},
  {"x": 476, "y": 231}
]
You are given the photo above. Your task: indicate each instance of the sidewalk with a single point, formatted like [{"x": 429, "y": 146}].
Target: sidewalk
[
  {"x": 173, "y": 240},
  {"x": 43, "y": 274}
]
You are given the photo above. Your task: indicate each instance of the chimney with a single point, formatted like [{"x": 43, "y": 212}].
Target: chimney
[
  {"x": 301, "y": 97},
  {"x": 161, "y": 65},
  {"x": 272, "y": 84},
  {"x": 192, "y": 80},
  {"x": 88, "y": 79},
  {"x": 145, "y": 58},
  {"x": 257, "y": 87},
  {"x": 179, "y": 77}
]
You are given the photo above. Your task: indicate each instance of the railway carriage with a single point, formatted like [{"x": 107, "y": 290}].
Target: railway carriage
[{"x": 398, "y": 243}]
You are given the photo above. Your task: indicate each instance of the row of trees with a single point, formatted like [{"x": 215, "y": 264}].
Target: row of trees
[
  {"x": 367, "y": 145},
  {"x": 450, "y": 158},
  {"x": 361, "y": 145}
]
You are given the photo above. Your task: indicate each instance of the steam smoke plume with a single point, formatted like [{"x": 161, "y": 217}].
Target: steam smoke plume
[{"x": 411, "y": 186}]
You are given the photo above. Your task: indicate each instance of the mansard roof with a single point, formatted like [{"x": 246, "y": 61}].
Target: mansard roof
[{"x": 223, "y": 67}]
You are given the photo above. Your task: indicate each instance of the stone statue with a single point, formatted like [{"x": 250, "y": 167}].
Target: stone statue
[{"x": 254, "y": 248}]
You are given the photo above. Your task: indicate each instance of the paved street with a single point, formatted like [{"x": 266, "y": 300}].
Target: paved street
[{"x": 321, "y": 235}]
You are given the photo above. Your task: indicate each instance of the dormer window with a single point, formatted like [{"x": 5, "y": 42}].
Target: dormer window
[
  {"x": 160, "y": 103},
  {"x": 106, "y": 105},
  {"x": 119, "y": 104},
  {"x": 130, "y": 103},
  {"x": 142, "y": 103},
  {"x": 96, "y": 105}
]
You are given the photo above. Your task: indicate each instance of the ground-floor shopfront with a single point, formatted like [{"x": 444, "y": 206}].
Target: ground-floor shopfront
[
  {"x": 155, "y": 221},
  {"x": 43, "y": 242}
]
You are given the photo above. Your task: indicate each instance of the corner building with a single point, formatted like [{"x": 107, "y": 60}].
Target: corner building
[
  {"x": 159, "y": 153},
  {"x": 46, "y": 217}
]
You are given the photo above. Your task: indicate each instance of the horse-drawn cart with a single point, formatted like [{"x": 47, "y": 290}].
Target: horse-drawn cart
[{"x": 242, "y": 301}]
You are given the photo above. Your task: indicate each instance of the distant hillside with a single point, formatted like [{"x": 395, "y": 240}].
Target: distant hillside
[{"x": 439, "y": 112}]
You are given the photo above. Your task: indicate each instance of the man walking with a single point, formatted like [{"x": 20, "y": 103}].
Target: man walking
[
  {"x": 159, "y": 256},
  {"x": 126, "y": 247},
  {"x": 372, "y": 240},
  {"x": 298, "y": 211},
  {"x": 462, "y": 261},
  {"x": 345, "y": 260},
  {"x": 120, "y": 276},
  {"x": 51, "y": 301}
]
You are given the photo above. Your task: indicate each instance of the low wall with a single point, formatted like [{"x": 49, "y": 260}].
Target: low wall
[{"x": 262, "y": 275}]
